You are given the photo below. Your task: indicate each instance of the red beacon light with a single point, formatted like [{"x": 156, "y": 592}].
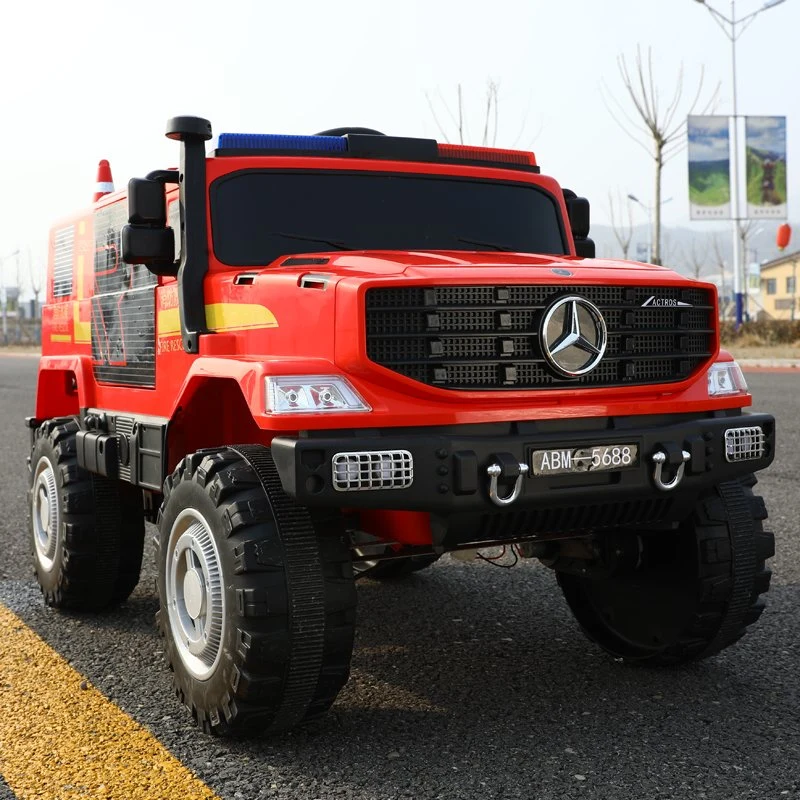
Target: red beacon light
[
  {"x": 105, "y": 183},
  {"x": 784, "y": 236},
  {"x": 465, "y": 152}
]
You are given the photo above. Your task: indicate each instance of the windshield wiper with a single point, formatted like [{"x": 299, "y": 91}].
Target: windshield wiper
[
  {"x": 492, "y": 245},
  {"x": 332, "y": 243}
]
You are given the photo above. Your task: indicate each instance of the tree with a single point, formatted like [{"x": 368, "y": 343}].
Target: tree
[
  {"x": 459, "y": 130},
  {"x": 655, "y": 126},
  {"x": 698, "y": 258},
  {"x": 721, "y": 263},
  {"x": 623, "y": 232}
]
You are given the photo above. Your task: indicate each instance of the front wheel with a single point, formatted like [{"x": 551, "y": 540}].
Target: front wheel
[
  {"x": 693, "y": 592},
  {"x": 257, "y": 605}
]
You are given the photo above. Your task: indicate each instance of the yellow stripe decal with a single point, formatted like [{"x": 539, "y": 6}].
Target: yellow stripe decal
[
  {"x": 220, "y": 317},
  {"x": 59, "y": 740},
  {"x": 239, "y": 317},
  {"x": 168, "y": 322},
  {"x": 60, "y": 337},
  {"x": 79, "y": 271},
  {"x": 83, "y": 330}
]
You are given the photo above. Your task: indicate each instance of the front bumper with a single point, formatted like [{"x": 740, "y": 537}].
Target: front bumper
[{"x": 450, "y": 465}]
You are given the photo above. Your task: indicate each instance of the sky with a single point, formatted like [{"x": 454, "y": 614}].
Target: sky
[{"x": 85, "y": 80}]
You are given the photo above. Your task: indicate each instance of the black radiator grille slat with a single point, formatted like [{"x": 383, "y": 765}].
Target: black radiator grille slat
[{"x": 487, "y": 337}]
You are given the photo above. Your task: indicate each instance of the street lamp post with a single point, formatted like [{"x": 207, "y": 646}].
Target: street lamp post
[
  {"x": 649, "y": 211},
  {"x": 733, "y": 28}
]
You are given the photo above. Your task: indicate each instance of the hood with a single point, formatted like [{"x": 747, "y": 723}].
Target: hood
[{"x": 461, "y": 265}]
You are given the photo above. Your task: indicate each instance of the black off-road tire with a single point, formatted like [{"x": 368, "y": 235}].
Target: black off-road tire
[
  {"x": 696, "y": 590},
  {"x": 287, "y": 597},
  {"x": 89, "y": 554}
]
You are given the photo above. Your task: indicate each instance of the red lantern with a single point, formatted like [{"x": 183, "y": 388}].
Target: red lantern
[{"x": 784, "y": 236}]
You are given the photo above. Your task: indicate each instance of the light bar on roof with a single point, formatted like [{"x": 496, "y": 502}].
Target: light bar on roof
[
  {"x": 465, "y": 152},
  {"x": 274, "y": 141}
]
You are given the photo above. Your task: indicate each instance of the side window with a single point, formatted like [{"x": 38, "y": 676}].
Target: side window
[
  {"x": 111, "y": 273},
  {"x": 123, "y": 307},
  {"x": 772, "y": 286},
  {"x": 63, "y": 261}
]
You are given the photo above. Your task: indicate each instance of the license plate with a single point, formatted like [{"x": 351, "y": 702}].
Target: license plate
[{"x": 597, "y": 458}]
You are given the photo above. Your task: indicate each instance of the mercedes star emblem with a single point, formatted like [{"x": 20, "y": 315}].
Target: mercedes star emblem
[{"x": 573, "y": 336}]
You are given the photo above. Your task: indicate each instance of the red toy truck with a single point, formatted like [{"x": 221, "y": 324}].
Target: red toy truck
[{"x": 314, "y": 357}]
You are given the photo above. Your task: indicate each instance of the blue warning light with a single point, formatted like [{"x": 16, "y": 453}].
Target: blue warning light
[{"x": 274, "y": 141}]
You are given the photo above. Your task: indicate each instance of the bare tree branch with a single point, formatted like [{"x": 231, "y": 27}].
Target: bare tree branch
[
  {"x": 664, "y": 127},
  {"x": 623, "y": 232},
  {"x": 490, "y": 123},
  {"x": 442, "y": 131}
]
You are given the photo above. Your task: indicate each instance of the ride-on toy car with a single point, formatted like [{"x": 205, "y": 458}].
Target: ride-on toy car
[{"x": 308, "y": 358}]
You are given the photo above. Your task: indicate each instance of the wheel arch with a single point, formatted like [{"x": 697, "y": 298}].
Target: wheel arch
[
  {"x": 63, "y": 387},
  {"x": 211, "y": 412}
]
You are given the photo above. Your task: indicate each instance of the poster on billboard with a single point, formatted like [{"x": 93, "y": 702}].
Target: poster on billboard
[
  {"x": 709, "y": 167},
  {"x": 765, "y": 142}
]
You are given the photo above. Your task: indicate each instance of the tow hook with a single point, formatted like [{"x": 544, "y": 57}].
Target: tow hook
[
  {"x": 659, "y": 459},
  {"x": 507, "y": 467}
]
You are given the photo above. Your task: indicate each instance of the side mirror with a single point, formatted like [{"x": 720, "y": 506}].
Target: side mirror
[
  {"x": 147, "y": 202},
  {"x": 153, "y": 247},
  {"x": 146, "y": 239},
  {"x": 579, "y": 222}
]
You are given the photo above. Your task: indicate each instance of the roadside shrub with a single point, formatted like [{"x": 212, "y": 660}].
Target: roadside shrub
[{"x": 761, "y": 333}]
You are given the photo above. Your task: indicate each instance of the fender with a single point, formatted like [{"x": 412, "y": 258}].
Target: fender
[{"x": 65, "y": 385}]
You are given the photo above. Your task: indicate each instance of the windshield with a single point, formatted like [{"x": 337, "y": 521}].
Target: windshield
[{"x": 258, "y": 216}]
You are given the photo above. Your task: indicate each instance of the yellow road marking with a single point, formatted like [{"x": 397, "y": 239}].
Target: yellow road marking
[{"x": 58, "y": 741}]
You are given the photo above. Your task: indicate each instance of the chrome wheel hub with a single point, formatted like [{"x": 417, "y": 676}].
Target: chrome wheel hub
[
  {"x": 45, "y": 515},
  {"x": 194, "y": 596}
]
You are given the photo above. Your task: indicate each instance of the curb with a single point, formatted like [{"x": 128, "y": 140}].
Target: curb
[{"x": 770, "y": 364}]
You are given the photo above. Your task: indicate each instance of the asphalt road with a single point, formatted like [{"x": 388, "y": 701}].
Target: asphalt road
[{"x": 468, "y": 681}]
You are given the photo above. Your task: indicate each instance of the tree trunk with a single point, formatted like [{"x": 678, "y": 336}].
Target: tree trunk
[{"x": 656, "y": 233}]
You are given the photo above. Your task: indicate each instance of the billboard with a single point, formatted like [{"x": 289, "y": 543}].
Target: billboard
[
  {"x": 709, "y": 167},
  {"x": 765, "y": 142}
]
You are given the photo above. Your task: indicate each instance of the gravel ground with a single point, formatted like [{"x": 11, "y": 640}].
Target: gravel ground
[{"x": 470, "y": 681}]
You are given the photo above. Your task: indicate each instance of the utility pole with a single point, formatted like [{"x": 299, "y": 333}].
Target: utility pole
[{"x": 733, "y": 28}]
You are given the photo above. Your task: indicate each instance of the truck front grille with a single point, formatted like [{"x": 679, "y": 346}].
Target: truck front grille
[{"x": 488, "y": 337}]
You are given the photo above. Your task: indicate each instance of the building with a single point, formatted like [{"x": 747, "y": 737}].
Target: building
[{"x": 779, "y": 298}]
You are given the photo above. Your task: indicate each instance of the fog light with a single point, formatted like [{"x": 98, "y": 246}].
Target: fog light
[
  {"x": 745, "y": 444},
  {"x": 372, "y": 469}
]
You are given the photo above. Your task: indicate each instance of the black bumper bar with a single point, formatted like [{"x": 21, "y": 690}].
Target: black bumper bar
[{"x": 451, "y": 468}]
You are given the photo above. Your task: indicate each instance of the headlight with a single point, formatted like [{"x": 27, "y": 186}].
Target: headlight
[
  {"x": 725, "y": 377},
  {"x": 306, "y": 394}
]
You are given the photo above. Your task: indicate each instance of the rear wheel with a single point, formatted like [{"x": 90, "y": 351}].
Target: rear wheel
[
  {"x": 257, "y": 605},
  {"x": 87, "y": 531},
  {"x": 694, "y": 590}
]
